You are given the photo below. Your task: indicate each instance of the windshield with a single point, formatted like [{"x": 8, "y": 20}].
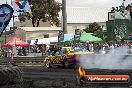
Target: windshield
[{"x": 78, "y": 49}]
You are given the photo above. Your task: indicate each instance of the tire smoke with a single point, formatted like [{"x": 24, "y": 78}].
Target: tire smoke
[{"x": 117, "y": 58}]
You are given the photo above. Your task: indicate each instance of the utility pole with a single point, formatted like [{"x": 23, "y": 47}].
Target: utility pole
[{"x": 64, "y": 17}]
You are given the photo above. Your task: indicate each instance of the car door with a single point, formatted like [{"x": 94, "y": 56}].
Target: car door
[{"x": 57, "y": 58}]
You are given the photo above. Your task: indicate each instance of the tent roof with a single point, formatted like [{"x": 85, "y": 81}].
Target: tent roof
[
  {"x": 89, "y": 37},
  {"x": 28, "y": 29},
  {"x": 15, "y": 41}
]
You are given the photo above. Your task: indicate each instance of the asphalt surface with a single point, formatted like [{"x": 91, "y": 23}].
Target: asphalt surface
[
  {"x": 50, "y": 77},
  {"x": 41, "y": 77}
]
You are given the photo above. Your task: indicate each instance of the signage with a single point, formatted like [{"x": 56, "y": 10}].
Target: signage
[
  {"x": 111, "y": 16},
  {"x": 21, "y": 6},
  {"x": 6, "y": 12},
  {"x": 107, "y": 78}
]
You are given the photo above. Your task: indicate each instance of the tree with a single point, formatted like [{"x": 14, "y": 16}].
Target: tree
[
  {"x": 96, "y": 30},
  {"x": 93, "y": 27},
  {"x": 101, "y": 34},
  {"x": 42, "y": 10}
]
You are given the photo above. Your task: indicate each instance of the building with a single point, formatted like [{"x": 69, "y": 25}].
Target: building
[
  {"x": 81, "y": 17},
  {"x": 31, "y": 33},
  {"x": 77, "y": 18}
]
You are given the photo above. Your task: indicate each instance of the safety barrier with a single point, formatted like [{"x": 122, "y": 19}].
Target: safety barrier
[
  {"x": 23, "y": 60},
  {"x": 10, "y": 74}
]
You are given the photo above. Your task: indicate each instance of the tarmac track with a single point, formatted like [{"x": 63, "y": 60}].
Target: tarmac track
[
  {"x": 50, "y": 77},
  {"x": 41, "y": 77}
]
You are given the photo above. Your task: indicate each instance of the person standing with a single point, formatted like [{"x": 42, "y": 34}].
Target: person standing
[
  {"x": 129, "y": 8},
  {"x": 130, "y": 36}
]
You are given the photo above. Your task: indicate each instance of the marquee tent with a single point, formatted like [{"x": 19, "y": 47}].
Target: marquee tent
[
  {"x": 15, "y": 41},
  {"x": 87, "y": 37}
]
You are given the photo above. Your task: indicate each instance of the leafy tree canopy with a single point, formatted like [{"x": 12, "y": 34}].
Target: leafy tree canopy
[
  {"x": 42, "y": 10},
  {"x": 93, "y": 27},
  {"x": 97, "y": 30}
]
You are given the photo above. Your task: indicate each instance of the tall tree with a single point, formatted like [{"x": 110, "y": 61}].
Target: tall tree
[
  {"x": 96, "y": 29},
  {"x": 42, "y": 10},
  {"x": 93, "y": 27}
]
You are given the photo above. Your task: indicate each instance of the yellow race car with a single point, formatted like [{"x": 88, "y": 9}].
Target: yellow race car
[{"x": 65, "y": 58}]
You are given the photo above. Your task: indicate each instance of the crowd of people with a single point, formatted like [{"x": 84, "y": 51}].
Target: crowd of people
[
  {"x": 105, "y": 46},
  {"x": 88, "y": 46},
  {"x": 122, "y": 9},
  {"x": 102, "y": 47}
]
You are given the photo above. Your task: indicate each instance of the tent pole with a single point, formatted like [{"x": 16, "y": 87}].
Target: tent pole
[{"x": 12, "y": 56}]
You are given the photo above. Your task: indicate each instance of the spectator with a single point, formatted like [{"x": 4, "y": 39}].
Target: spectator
[
  {"x": 130, "y": 37},
  {"x": 113, "y": 9},
  {"x": 129, "y": 8},
  {"x": 23, "y": 51},
  {"x": 117, "y": 9}
]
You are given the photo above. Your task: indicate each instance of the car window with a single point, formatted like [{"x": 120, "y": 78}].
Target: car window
[
  {"x": 64, "y": 51},
  {"x": 78, "y": 49},
  {"x": 57, "y": 53}
]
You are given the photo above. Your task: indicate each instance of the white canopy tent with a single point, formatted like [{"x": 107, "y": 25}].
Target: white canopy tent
[{"x": 45, "y": 40}]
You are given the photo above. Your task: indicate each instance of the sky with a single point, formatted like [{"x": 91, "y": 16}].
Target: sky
[
  {"x": 94, "y": 3},
  {"x": 89, "y": 3},
  {"x": 4, "y": 1}
]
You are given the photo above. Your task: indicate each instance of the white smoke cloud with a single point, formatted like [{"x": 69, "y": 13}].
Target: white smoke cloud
[{"x": 115, "y": 59}]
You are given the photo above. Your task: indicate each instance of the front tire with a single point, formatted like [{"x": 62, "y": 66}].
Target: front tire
[
  {"x": 48, "y": 64},
  {"x": 80, "y": 80},
  {"x": 66, "y": 64}
]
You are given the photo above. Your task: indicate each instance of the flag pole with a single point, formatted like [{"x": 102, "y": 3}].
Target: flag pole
[
  {"x": 12, "y": 55},
  {"x": 6, "y": 1},
  {"x": 13, "y": 14}
]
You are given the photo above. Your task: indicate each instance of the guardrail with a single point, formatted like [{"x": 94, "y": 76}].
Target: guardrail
[{"x": 23, "y": 60}]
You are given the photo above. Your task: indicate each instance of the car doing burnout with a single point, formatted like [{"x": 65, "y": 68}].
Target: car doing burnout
[{"x": 65, "y": 58}]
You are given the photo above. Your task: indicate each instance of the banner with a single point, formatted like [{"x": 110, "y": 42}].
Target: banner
[
  {"x": 21, "y": 6},
  {"x": 107, "y": 78},
  {"x": 6, "y": 12}
]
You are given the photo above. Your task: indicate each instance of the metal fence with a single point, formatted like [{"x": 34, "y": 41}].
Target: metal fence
[{"x": 23, "y": 60}]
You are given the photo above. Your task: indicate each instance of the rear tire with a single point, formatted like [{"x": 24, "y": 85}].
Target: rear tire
[
  {"x": 47, "y": 64},
  {"x": 80, "y": 80},
  {"x": 66, "y": 64}
]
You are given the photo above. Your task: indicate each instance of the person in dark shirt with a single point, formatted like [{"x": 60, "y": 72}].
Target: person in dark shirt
[
  {"x": 117, "y": 9},
  {"x": 129, "y": 8},
  {"x": 130, "y": 37},
  {"x": 113, "y": 9}
]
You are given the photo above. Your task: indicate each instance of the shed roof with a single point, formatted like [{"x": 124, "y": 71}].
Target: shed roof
[{"x": 40, "y": 28}]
